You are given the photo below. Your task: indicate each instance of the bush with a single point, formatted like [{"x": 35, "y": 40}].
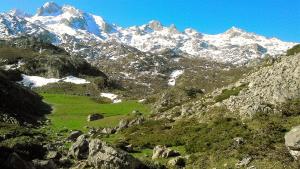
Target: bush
[
  {"x": 291, "y": 107},
  {"x": 226, "y": 93},
  {"x": 293, "y": 50}
]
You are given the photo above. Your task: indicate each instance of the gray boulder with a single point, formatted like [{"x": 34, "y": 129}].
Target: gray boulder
[
  {"x": 53, "y": 155},
  {"x": 163, "y": 152},
  {"x": 244, "y": 162},
  {"x": 44, "y": 164},
  {"x": 95, "y": 116},
  {"x": 108, "y": 130},
  {"x": 103, "y": 156},
  {"x": 74, "y": 135},
  {"x": 177, "y": 162},
  {"x": 14, "y": 161},
  {"x": 292, "y": 141},
  {"x": 79, "y": 150}
]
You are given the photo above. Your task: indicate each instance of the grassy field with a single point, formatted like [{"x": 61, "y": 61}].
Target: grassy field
[{"x": 70, "y": 111}]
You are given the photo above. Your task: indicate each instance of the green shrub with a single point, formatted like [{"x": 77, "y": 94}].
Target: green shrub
[
  {"x": 293, "y": 50},
  {"x": 226, "y": 93},
  {"x": 291, "y": 107}
]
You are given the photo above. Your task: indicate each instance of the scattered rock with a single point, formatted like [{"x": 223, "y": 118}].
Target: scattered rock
[
  {"x": 79, "y": 150},
  {"x": 177, "y": 161},
  {"x": 65, "y": 161},
  {"x": 74, "y": 135},
  {"x": 238, "y": 141},
  {"x": 80, "y": 165},
  {"x": 163, "y": 152},
  {"x": 103, "y": 156},
  {"x": 14, "y": 161},
  {"x": 292, "y": 141},
  {"x": 122, "y": 124},
  {"x": 95, "y": 116},
  {"x": 136, "y": 113},
  {"x": 108, "y": 130},
  {"x": 44, "y": 164},
  {"x": 53, "y": 155},
  {"x": 244, "y": 162}
]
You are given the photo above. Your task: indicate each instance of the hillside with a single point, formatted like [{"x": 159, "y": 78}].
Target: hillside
[{"x": 30, "y": 107}]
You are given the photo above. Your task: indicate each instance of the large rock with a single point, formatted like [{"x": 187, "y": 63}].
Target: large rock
[
  {"x": 95, "y": 116},
  {"x": 163, "y": 152},
  {"x": 103, "y": 156},
  {"x": 44, "y": 164},
  {"x": 14, "y": 161},
  {"x": 74, "y": 135},
  {"x": 177, "y": 162},
  {"x": 79, "y": 150},
  {"x": 125, "y": 123},
  {"x": 292, "y": 141}
]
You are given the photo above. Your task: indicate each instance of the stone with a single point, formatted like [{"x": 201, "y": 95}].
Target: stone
[
  {"x": 108, "y": 130},
  {"x": 238, "y": 141},
  {"x": 177, "y": 161},
  {"x": 74, "y": 135},
  {"x": 14, "y": 161},
  {"x": 103, "y": 156},
  {"x": 136, "y": 113},
  {"x": 79, "y": 149},
  {"x": 244, "y": 162},
  {"x": 123, "y": 124},
  {"x": 44, "y": 164},
  {"x": 95, "y": 116},
  {"x": 53, "y": 155},
  {"x": 292, "y": 141},
  {"x": 65, "y": 161},
  {"x": 163, "y": 152}
]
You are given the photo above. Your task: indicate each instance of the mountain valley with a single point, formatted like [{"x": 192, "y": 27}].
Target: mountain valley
[{"x": 79, "y": 92}]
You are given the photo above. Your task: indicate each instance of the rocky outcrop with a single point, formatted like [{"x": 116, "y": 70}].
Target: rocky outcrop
[
  {"x": 101, "y": 155},
  {"x": 176, "y": 162},
  {"x": 292, "y": 141},
  {"x": 163, "y": 152},
  {"x": 125, "y": 123},
  {"x": 74, "y": 135},
  {"x": 14, "y": 161},
  {"x": 260, "y": 92},
  {"x": 79, "y": 150},
  {"x": 267, "y": 87},
  {"x": 98, "y": 154}
]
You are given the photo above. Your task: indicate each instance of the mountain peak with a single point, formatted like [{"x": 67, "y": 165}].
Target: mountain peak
[
  {"x": 234, "y": 31},
  {"x": 173, "y": 29},
  {"x": 49, "y": 9},
  {"x": 19, "y": 13},
  {"x": 155, "y": 25}
]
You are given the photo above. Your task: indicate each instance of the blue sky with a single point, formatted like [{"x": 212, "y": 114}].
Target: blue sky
[{"x": 272, "y": 18}]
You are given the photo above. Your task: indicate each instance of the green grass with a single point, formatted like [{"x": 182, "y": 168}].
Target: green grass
[
  {"x": 226, "y": 93},
  {"x": 70, "y": 111}
]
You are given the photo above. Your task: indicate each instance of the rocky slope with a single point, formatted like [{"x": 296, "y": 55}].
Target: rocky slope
[
  {"x": 30, "y": 107},
  {"x": 262, "y": 91}
]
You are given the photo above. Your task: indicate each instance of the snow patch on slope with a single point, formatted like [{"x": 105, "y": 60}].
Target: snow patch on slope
[
  {"x": 112, "y": 97},
  {"x": 174, "y": 75},
  {"x": 37, "y": 81}
]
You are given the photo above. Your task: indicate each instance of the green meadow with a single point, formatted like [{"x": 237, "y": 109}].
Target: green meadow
[{"x": 70, "y": 111}]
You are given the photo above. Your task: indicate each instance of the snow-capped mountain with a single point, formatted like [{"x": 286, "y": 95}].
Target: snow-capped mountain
[{"x": 78, "y": 31}]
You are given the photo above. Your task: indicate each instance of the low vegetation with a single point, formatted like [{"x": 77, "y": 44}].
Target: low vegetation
[
  {"x": 70, "y": 111},
  {"x": 226, "y": 93},
  {"x": 294, "y": 50}
]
